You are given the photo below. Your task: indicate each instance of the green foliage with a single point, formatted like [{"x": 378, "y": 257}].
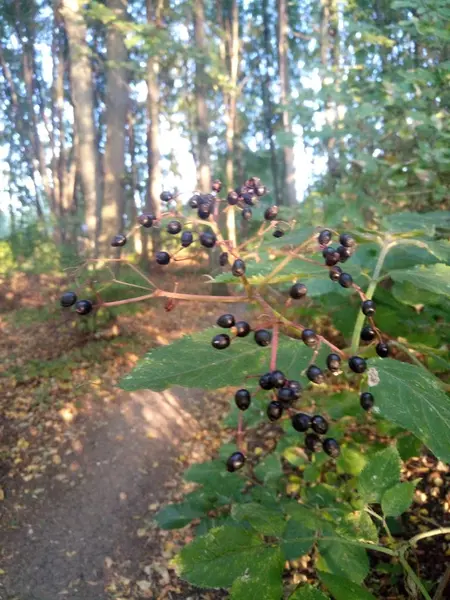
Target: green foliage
[{"x": 381, "y": 472}]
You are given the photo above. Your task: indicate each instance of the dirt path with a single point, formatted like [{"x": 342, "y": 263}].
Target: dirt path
[{"x": 66, "y": 542}]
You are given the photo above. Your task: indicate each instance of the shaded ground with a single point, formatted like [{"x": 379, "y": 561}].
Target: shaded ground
[{"x": 82, "y": 465}]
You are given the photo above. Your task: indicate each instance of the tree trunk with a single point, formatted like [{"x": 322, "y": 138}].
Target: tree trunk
[
  {"x": 267, "y": 103},
  {"x": 288, "y": 149},
  {"x": 116, "y": 99},
  {"x": 204, "y": 171},
  {"x": 133, "y": 177},
  {"x": 154, "y": 186},
  {"x": 83, "y": 103}
]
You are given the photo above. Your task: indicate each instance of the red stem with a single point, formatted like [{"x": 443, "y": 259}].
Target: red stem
[{"x": 274, "y": 348}]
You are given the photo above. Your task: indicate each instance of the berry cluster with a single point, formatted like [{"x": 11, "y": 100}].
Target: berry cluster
[
  {"x": 237, "y": 329},
  {"x": 333, "y": 256}
]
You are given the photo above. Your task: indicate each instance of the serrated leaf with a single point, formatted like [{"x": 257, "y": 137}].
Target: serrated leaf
[
  {"x": 344, "y": 589},
  {"x": 381, "y": 472},
  {"x": 175, "y": 516},
  {"x": 267, "y": 521},
  {"x": 405, "y": 222},
  {"x": 411, "y": 397},
  {"x": 345, "y": 560},
  {"x": 409, "y": 446},
  {"x": 263, "y": 581},
  {"x": 351, "y": 461},
  {"x": 269, "y": 470},
  {"x": 216, "y": 559},
  {"x": 192, "y": 362},
  {"x": 433, "y": 278},
  {"x": 308, "y": 592},
  {"x": 214, "y": 476},
  {"x": 397, "y": 499}
]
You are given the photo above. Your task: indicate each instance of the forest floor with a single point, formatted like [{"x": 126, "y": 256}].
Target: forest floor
[{"x": 83, "y": 465}]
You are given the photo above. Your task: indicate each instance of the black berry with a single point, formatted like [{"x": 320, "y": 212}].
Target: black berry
[
  {"x": 193, "y": 202},
  {"x": 271, "y": 213},
  {"x": 344, "y": 253},
  {"x": 274, "y": 410},
  {"x": 295, "y": 387},
  {"x": 242, "y": 328},
  {"x": 204, "y": 210},
  {"x": 247, "y": 213},
  {"x": 278, "y": 233},
  {"x": 368, "y": 307},
  {"x": 286, "y": 397},
  {"x": 162, "y": 258},
  {"x": 242, "y": 399},
  {"x": 186, "y": 238},
  {"x": 298, "y": 290},
  {"x": 312, "y": 442},
  {"x": 309, "y": 337},
  {"x": 248, "y": 198},
  {"x": 319, "y": 424},
  {"x": 331, "y": 256},
  {"x": 265, "y": 381},
  {"x": 278, "y": 379},
  {"x": 223, "y": 259},
  {"x": 118, "y": 241},
  {"x": 221, "y": 341},
  {"x": 225, "y": 321},
  {"x": 301, "y": 422},
  {"x": 232, "y": 198},
  {"x": 357, "y": 364},
  {"x": 238, "y": 268},
  {"x": 368, "y": 333},
  {"x": 174, "y": 227},
  {"x": 68, "y": 299},
  {"x": 235, "y": 462},
  {"x": 335, "y": 273},
  {"x": 324, "y": 237},
  {"x": 334, "y": 362},
  {"x": 345, "y": 280},
  {"x": 216, "y": 185},
  {"x": 347, "y": 240},
  {"x": 331, "y": 447},
  {"x": 260, "y": 190},
  {"x": 166, "y": 196},
  {"x": 241, "y": 189},
  {"x": 314, "y": 374},
  {"x": 83, "y": 307},
  {"x": 205, "y": 199},
  {"x": 146, "y": 220},
  {"x": 208, "y": 239},
  {"x": 366, "y": 400},
  {"x": 382, "y": 349},
  {"x": 263, "y": 337}
]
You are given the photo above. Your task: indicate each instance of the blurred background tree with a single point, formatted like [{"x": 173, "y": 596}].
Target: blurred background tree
[{"x": 342, "y": 108}]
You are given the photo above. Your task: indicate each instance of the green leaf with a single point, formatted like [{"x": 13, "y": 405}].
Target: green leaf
[
  {"x": 263, "y": 581},
  {"x": 350, "y": 461},
  {"x": 267, "y": 521},
  {"x": 380, "y": 473},
  {"x": 269, "y": 469},
  {"x": 344, "y": 589},
  {"x": 405, "y": 222},
  {"x": 397, "y": 499},
  {"x": 358, "y": 526},
  {"x": 192, "y": 362},
  {"x": 346, "y": 560},
  {"x": 308, "y": 592},
  {"x": 433, "y": 278},
  {"x": 223, "y": 554},
  {"x": 298, "y": 539},
  {"x": 411, "y": 397},
  {"x": 214, "y": 476},
  {"x": 409, "y": 446}
]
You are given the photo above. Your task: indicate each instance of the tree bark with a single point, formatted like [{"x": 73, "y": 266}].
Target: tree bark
[
  {"x": 204, "y": 170},
  {"x": 83, "y": 103},
  {"x": 288, "y": 149},
  {"x": 116, "y": 100},
  {"x": 267, "y": 103}
]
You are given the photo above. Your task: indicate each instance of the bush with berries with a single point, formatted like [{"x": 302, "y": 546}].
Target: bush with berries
[{"x": 340, "y": 356}]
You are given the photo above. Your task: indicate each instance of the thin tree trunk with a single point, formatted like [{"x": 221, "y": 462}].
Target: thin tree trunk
[
  {"x": 267, "y": 103},
  {"x": 83, "y": 103},
  {"x": 204, "y": 170},
  {"x": 116, "y": 99},
  {"x": 132, "y": 209},
  {"x": 288, "y": 149},
  {"x": 154, "y": 187}
]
